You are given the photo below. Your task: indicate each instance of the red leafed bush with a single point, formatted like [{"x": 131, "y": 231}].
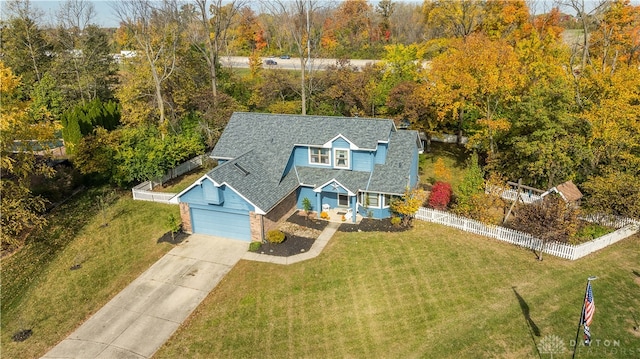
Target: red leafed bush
[{"x": 440, "y": 195}]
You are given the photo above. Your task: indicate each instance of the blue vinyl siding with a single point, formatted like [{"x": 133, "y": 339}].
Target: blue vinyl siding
[
  {"x": 290, "y": 164},
  {"x": 413, "y": 175},
  {"x": 330, "y": 198},
  {"x": 340, "y": 143},
  {"x": 218, "y": 211},
  {"x": 329, "y": 188},
  {"x": 381, "y": 153},
  {"x": 358, "y": 161},
  {"x": 362, "y": 161},
  {"x": 212, "y": 194},
  {"x": 232, "y": 200},
  {"x": 377, "y": 213},
  {"x": 300, "y": 156},
  {"x": 308, "y": 193}
]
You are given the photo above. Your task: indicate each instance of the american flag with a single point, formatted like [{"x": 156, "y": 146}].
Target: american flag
[{"x": 587, "y": 316}]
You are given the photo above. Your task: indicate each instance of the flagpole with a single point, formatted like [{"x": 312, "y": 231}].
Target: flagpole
[{"x": 575, "y": 346}]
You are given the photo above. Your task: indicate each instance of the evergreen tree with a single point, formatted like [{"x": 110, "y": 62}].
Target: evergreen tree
[{"x": 23, "y": 44}]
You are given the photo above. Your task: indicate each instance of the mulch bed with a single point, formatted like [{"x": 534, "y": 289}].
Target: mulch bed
[
  {"x": 296, "y": 244},
  {"x": 301, "y": 219},
  {"x": 290, "y": 246},
  {"x": 177, "y": 237},
  {"x": 372, "y": 225}
]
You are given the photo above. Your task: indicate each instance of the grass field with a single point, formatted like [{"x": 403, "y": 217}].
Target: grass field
[
  {"x": 184, "y": 181},
  {"x": 433, "y": 292},
  {"x": 454, "y": 157},
  {"x": 41, "y": 293}
]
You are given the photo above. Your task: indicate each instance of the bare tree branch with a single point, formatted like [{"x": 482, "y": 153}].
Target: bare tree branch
[
  {"x": 76, "y": 14},
  {"x": 156, "y": 29},
  {"x": 211, "y": 35},
  {"x": 299, "y": 18}
]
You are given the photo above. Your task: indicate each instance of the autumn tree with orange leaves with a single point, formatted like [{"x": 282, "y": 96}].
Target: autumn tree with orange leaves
[{"x": 477, "y": 75}]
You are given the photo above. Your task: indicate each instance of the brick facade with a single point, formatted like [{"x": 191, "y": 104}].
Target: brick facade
[
  {"x": 255, "y": 224},
  {"x": 186, "y": 217},
  {"x": 261, "y": 224},
  {"x": 280, "y": 211}
]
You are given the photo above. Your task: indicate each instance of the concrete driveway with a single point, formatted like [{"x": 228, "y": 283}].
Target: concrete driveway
[{"x": 137, "y": 321}]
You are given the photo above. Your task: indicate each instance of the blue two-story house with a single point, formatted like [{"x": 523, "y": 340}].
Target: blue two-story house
[{"x": 269, "y": 163}]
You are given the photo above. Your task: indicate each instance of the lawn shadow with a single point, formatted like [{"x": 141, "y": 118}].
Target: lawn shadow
[
  {"x": 538, "y": 256},
  {"x": 636, "y": 273},
  {"x": 533, "y": 328}
]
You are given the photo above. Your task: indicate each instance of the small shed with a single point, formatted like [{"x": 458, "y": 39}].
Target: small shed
[{"x": 570, "y": 192}]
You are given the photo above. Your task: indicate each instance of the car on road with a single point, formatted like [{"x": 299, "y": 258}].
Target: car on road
[
  {"x": 270, "y": 62},
  {"x": 285, "y": 57}
]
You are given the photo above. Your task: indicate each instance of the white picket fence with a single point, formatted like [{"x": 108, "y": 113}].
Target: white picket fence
[
  {"x": 143, "y": 191},
  {"x": 567, "y": 251},
  {"x": 609, "y": 220},
  {"x": 448, "y": 138},
  {"x": 511, "y": 195},
  {"x": 181, "y": 169}
]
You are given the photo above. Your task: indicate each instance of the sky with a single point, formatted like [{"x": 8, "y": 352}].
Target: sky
[
  {"x": 104, "y": 13},
  {"x": 106, "y": 18}
]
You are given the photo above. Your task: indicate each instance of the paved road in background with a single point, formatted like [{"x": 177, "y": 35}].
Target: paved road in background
[{"x": 242, "y": 62}]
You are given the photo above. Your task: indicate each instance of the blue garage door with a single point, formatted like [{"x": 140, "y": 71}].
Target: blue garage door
[{"x": 223, "y": 224}]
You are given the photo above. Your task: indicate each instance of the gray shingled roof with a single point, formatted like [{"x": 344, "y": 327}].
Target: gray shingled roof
[
  {"x": 393, "y": 176},
  {"x": 259, "y": 146},
  {"x": 277, "y": 135},
  {"x": 352, "y": 180},
  {"x": 246, "y": 174}
]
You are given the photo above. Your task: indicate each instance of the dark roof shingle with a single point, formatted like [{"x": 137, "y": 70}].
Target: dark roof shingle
[
  {"x": 258, "y": 147},
  {"x": 394, "y": 175},
  {"x": 278, "y": 134}
]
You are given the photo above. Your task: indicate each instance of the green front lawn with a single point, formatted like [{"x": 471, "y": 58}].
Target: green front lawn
[
  {"x": 40, "y": 291},
  {"x": 432, "y": 292}
]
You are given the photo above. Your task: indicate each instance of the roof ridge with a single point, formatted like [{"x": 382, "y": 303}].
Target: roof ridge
[
  {"x": 230, "y": 161},
  {"x": 310, "y": 116}
]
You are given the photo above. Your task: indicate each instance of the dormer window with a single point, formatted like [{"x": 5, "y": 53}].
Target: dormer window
[
  {"x": 319, "y": 156},
  {"x": 341, "y": 158}
]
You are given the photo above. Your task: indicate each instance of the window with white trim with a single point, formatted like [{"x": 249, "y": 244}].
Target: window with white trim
[
  {"x": 370, "y": 200},
  {"x": 343, "y": 200},
  {"x": 319, "y": 156},
  {"x": 341, "y": 158},
  {"x": 386, "y": 200}
]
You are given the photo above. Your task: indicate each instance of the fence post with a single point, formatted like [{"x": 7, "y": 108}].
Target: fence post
[{"x": 525, "y": 240}]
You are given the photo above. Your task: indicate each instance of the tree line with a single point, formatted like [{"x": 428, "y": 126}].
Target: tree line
[{"x": 534, "y": 105}]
